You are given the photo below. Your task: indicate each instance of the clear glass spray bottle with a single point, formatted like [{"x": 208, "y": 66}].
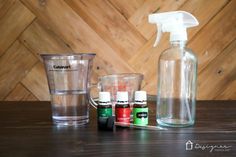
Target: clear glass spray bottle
[{"x": 177, "y": 71}]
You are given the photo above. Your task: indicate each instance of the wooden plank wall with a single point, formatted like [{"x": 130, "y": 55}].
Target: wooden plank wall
[{"x": 118, "y": 32}]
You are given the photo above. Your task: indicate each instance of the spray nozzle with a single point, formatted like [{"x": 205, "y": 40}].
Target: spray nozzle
[{"x": 175, "y": 22}]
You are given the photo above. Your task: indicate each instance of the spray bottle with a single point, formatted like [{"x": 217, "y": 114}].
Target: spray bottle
[{"x": 177, "y": 70}]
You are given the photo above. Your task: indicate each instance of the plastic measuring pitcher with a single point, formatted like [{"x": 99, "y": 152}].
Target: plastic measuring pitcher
[{"x": 68, "y": 79}]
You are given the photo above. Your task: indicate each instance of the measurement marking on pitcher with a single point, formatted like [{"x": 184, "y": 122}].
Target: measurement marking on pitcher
[{"x": 63, "y": 70}]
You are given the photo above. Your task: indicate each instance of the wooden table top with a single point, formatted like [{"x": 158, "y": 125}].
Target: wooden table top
[{"x": 26, "y": 129}]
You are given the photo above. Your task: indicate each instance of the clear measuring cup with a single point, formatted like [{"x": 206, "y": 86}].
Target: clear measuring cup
[
  {"x": 129, "y": 82},
  {"x": 68, "y": 79}
]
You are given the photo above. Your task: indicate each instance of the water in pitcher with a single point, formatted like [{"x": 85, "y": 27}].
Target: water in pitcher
[{"x": 70, "y": 107}]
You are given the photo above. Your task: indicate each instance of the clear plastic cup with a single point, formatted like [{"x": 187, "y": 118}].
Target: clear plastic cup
[{"x": 68, "y": 79}]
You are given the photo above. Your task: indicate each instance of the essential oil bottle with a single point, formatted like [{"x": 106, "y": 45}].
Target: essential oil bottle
[
  {"x": 104, "y": 109},
  {"x": 140, "y": 108},
  {"x": 122, "y": 108}
]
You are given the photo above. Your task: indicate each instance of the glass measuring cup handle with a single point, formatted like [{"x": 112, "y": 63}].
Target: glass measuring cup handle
[{"x": 92, "y": 100}]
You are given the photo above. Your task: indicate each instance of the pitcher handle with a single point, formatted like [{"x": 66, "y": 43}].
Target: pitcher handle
[{"x": 92, "y": 101}]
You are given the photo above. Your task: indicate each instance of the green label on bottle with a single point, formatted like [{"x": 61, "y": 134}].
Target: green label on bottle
[
  {"x": 104, "y": 112},
  {"x": 140, "y": 116}
]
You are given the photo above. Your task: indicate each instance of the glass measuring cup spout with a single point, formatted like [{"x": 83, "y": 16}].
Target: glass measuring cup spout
[{"x": 68, "y": 78}]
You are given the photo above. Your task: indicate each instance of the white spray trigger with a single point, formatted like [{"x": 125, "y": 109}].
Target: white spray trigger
[
  {"x": 159, "y": 34},
  {"x": 174, "y": 22}
]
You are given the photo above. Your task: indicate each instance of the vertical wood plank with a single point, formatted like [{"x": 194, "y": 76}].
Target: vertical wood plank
[
  {"x": 220, "y": 32},
  {"x": 229, "y": 93},
  {"x": 74, "y": 31},
  {"x": 203, "y": 10},
  {"x": 36, "y": 82},
  {"x": 5, "y": 5},
  {"x": 151, "y": 86},
  {"x": 39, "y": 40},
  {"x": 20, "y": 93},
  {"x": 15, "y": 63},
  {"x": 140, "y": 18},
  {"x": 17, "y": 18},
  {"x": 218, "y": 75},
  {"x": 127, "y": 8},
  {"x": 110, "y": 25}
]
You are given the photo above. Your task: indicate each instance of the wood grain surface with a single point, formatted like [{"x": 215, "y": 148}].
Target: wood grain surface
[
  {"x": 27, "y": 130},
  {"x": 119, "y": 33}
]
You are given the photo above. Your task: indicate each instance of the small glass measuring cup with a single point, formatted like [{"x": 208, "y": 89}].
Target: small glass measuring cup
[{"x": 129, "y": 82}]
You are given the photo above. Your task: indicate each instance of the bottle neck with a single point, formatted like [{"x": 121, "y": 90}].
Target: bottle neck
[{"x": 180, "y": 44}]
